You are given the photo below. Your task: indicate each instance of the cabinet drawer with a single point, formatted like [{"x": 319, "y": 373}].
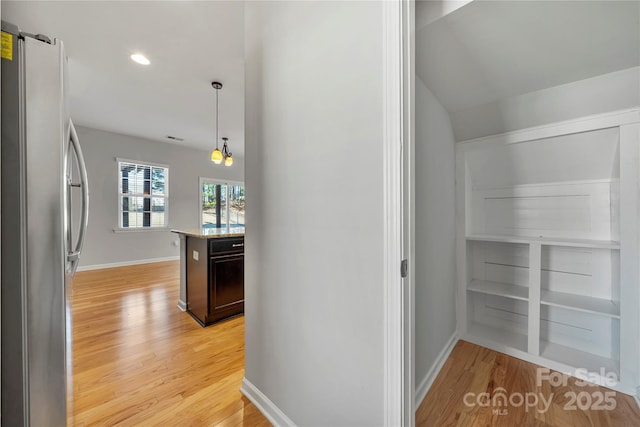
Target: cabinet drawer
[{"x": 233, "y": 245}]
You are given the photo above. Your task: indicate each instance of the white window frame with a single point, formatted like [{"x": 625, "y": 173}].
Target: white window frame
[
  {"x": 202, "y": 180},
  {"x": 119, "y": 227}
]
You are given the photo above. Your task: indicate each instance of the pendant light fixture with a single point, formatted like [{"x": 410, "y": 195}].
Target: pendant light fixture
[{"x": 216, "y": 155}]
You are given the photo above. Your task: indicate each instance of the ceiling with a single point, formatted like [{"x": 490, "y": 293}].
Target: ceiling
[
  {"x": 190, "y": 44},
  {"x": 491, "y": 50},
  {"x": 480, "y": 53}
]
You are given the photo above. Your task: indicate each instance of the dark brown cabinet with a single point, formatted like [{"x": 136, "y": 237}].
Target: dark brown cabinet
[
  {"x": 226, "y": 286},
  {"x": 215, "y": 278}
]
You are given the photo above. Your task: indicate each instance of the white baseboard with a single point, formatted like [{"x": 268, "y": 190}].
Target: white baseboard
[
  {"x": 266, "y": 406},
  {"x": 182, "y": 305},
  {"x": 637, "y": 400},
  {"x": 427, "y": 381},
  {"x": 126, "y": 263}
]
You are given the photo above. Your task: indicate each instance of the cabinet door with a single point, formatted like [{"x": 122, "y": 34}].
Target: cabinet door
[{"x": 226, "y": 286}]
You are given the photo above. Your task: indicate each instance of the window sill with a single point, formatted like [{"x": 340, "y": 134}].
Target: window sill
[{"x": 140, "y": 229}]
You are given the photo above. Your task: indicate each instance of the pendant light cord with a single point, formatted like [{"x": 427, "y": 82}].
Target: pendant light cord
[{"x": 217, "y": 112}]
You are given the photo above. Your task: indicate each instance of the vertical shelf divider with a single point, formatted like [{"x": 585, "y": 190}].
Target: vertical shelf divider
[
  {"x": 629, "y": 254},
  {"x": 535, "y": 270},
  {"x": 463, "y": 189}
]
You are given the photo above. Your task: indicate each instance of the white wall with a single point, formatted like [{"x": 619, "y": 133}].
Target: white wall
[
  {"x": 314, "y": 241},
  {"x": 100, "y": 149},
  {"x": 428, "y": 11},
  {"x": 435, "y": 281},
  {"x": 601, "y": 94}
]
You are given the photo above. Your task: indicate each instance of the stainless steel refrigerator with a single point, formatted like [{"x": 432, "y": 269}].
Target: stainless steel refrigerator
[{"x": 42, "y": 169}]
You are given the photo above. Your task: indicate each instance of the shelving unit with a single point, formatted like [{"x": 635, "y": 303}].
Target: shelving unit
[
  {"x": 500, "y": 289},
  {"x": 549, "y": 246},
  {"x": 572, "y": 357},
  {"x": 575, "y": 243},
  {"x": 582, "y": 303},
  {"x": 506, "y": 338}
]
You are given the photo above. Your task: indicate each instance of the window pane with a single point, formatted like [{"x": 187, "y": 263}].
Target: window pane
[
  {"x": 146, "y": 204},
  {"x": 158, "y": 181},
  {"x": 208, "y": 194},
  {"x": 133, "y": 219},
  {"x": 210, "y": 205},
  {"x": 158, "y": 174},
  {"x": 125, "y": 203},
  {"x": 126, "y": 169},
  {"x": 125, "y": 172},
  {"x": 135, "y": 204},
  {"x": 157, "y": 204},
  {"x": 157, "y": 188},
  {"x": 147, "y": 186},
  {"x": 157, "y": 219},
  {"x": 129, "y": 172},
  {"x": 139, "y": 179},
  {"x": 236, "y": 205},
  {"x": 125, "y": 219},
  {"x": 130, "y": 176},
  {"x": 146, "y": 219},
  {"x": 223, "y": 206},
  {"x": 157, "y": 216}
]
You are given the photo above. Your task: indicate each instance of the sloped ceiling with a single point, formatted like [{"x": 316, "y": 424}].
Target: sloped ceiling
[
  {"x": 190, "y": 44},
  {"x": 490, "y": 50}
]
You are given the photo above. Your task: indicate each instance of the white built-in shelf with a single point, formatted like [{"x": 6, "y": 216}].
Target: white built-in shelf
[
  {"x": 549, "y": 241},
  {"x": 483, "y": 334},
  {"x": 578, "y": 359},
  {"x": 580, "y": 303},
  {"x": 500, "y": 289},
  {"x": 544, "y": 224}
]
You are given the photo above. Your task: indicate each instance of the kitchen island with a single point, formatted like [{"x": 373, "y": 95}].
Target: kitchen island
[{"x": 211, "y": 273}]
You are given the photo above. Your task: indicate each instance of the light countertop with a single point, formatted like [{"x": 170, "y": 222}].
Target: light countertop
[{"x": 212, "y": 233}]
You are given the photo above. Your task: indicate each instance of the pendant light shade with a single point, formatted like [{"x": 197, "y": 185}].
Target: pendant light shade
[
  {"x": 216, "y": 156},
  {"x": 228, "y": 160}
]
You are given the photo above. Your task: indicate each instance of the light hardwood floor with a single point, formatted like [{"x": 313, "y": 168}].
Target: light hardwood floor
[
  {"x": 474, "y": 369},
  {"x": 138, "y": 360}
]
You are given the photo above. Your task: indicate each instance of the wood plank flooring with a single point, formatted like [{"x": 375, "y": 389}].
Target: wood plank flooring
[
  {"x": 139, "y": 360},
  {"x": 474, "y": 369}
]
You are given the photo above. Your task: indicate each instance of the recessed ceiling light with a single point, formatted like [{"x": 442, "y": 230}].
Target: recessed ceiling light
[{"x": 140, "y": 59}]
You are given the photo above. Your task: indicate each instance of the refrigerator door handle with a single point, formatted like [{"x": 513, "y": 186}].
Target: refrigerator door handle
[{"x": 74, "y": 255}]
